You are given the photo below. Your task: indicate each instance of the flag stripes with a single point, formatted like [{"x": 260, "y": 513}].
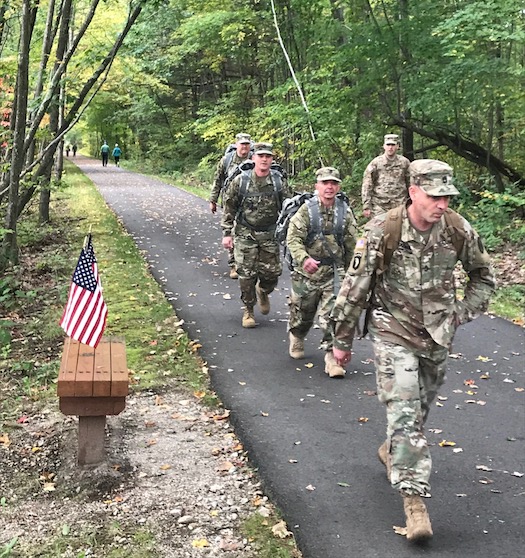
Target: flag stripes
[{"x": 84, "y": 317}]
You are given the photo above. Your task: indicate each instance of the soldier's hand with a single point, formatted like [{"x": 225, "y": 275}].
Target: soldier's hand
[
  {"x": 366, "y": 213},
  {"x": 342, "y": 357},
  {"x": 213, "y": 207},
  {"x": 227, "y": 242},
  {"x": 310, "y": 265}
]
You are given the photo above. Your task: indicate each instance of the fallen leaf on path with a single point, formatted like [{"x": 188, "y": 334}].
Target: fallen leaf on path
[
  {"x": 343, "y": 484},
  {"x": 508, "y": 381},
  {"x": 485, "y": 481},
  {"x": 369, "y": 393},
  {"x": 455, "y": 355},
  {"x": 519, "y": 389},
  {"x": 200, "y": 543},
  {"x": 469, "y": 382},
  {"x": 224, "y": 415},
  {"x": 308, "y": 365},
  {"x": 158, "y": 400},
  {"x": 310, "y": 487},
  {"x": 225, "y": 466},
  {"x": 199, "y": 394},
  {"x": 242, "y": 383},
  {"x": 280, "y": 530},
  {"x": 227, "y": 296},
  {"x": 362, "y": 419},
  {"x": 292, "y": 460},
  {"x": 483, "y": 468},
  {"x": 446, "y": 443},
  {"x": 484, "y": 359},
  {"x": 457, "y": 450},
  {"x": 5, "y": 441},
  {"x": 165, "y": 467},
  {"x": 516, "y": 474},
  {"x": 265, "y": 414},
  {"x": 435, "y": 430},
  {"x": 484, "y": 377},
  {"x": 150, "y": 423},
  {"x": 151, "y": 442}
]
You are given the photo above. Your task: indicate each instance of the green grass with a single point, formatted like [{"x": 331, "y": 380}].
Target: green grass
[{"x": 509, "y": 303}]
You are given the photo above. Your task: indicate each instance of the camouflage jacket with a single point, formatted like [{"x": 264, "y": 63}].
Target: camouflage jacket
[
  {"x": 413, "y": 303},
  {"x": 221, "y": 173},
  {"x": 258, "y": 211},
  {"x": 385, "y": 183},
  {"x": 297, "y": 236}
]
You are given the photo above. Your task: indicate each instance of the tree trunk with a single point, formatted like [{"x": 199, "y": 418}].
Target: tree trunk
[{"x": 9, "y": 247}]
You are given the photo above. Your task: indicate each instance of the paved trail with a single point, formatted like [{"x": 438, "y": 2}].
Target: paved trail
[{"x": 314, "y": 439}]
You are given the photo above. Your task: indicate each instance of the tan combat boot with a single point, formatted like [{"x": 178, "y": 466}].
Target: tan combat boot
[
  {"x": 233, "y": 273},
  {"x": 263, "y": 301},
  {"x": 296, "y": 346},
  {"x": 418, "y": 522},
  {"x": 384, "y": 457},
  {"x": 331, "y": 367},
  {"x": 248, "y": 319}
]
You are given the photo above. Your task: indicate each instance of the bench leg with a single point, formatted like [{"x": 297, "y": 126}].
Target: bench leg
[{"x": 91, "y": 437}]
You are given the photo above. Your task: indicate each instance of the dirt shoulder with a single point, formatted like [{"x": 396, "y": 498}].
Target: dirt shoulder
[{"x": 176, "y": 484}]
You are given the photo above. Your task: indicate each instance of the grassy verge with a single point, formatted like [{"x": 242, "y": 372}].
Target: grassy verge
[{"x": 160, "y": 354}]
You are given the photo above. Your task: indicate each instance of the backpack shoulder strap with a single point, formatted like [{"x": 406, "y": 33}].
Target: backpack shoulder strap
[
  {"x": 455, "y": 229},
  {"x": 392, "y": 236},
  {"x": 277, "y": 181},
  {"x": 340, "y": 212}
]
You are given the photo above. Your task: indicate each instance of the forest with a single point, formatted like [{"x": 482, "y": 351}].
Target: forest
[{"x": 173, "y": 81}]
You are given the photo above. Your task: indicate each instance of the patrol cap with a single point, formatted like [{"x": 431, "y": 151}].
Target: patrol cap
[
  {"x": 391, "y": 139},
  {"x": 327, "y": 173},
  {"x": 263, "y": 149},
  {"x": 243, "y": 138},
  {"x": 433, "y": 177}
]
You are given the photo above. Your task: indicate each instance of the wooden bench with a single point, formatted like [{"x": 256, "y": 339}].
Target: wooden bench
[{"x": 93, "y": 383}]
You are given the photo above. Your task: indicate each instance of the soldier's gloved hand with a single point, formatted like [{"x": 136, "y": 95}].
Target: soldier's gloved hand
[
  {"x": 342, "y": 357},
  {"x": 310, "y": 265},
  {"x": 227, "y": 242},
  {"x": 213, "y": 207}
]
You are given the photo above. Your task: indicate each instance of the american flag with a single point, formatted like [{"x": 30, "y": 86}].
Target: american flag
[{"x": 84, "y": 317}]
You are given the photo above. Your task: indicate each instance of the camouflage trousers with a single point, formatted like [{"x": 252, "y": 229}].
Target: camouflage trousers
[
  {"x": 308, "y": 298},
  {"x": 408, "y": 382},
  {"x": 231, "y": 258},
  {"x": 258, "y": 261}
]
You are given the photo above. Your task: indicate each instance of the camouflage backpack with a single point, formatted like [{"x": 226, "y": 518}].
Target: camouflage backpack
[{"x": 290, "y": 208}]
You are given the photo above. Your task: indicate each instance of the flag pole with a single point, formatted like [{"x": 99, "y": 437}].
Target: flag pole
[{"x": 87, "y": 237}]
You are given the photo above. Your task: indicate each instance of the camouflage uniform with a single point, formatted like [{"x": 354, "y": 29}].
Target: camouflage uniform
[
  {"x": 221, "y": 173},
  {"x": 226, "y": 165},
  {"x": 314, "y": 292},
  {"x": 414, "y": 314},
  {"x": 252, "y": 224},
  {"x": 385, "y": 183}
]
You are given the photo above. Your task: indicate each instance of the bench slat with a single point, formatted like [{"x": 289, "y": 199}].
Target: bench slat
[
  {"x": 85, "y": 371},
  {"x": 102, "y": 374},
  {"x": 119, "y": 368},
  {"x": 68, "y": 365}
]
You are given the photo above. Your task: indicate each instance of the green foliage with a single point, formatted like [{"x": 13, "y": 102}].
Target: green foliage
[{"x": 499, "y": 218}]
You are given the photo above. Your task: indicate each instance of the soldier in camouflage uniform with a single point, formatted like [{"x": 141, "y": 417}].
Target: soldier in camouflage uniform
[
  {"x": 319, "y": 264},
  {"x": 224, "y": 167},
  {"x": 413, "y": 316},
  {"x": 248, "y": 224},
  {"x": 385, "y": 180}
]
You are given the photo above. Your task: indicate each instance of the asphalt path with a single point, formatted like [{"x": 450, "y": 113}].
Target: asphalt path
[{"x": 314, "y": 439}]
